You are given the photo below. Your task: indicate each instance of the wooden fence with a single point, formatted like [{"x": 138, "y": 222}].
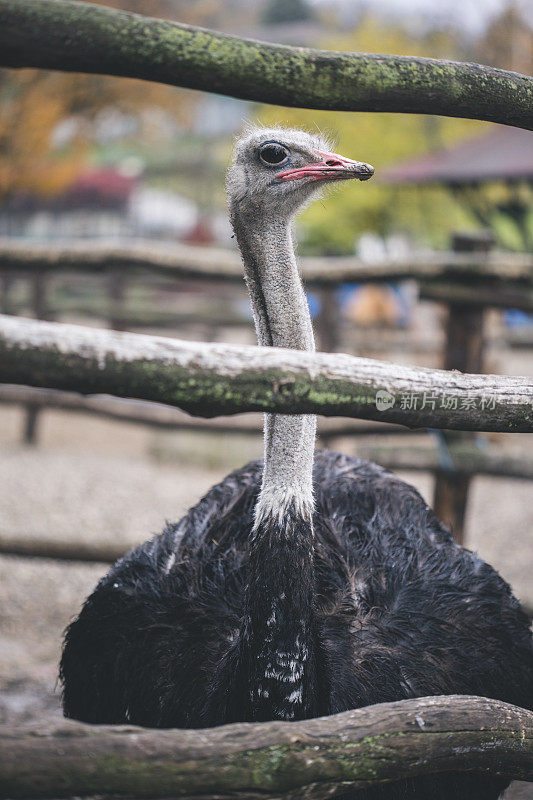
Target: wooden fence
[
  {"x": 468, "y": 280},
  {"x": 411, "y": 737},
  {"x": 314, "y": 759}
]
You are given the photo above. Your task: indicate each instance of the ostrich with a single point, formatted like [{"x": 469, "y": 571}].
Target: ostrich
[{"x": 305, "y": 584}]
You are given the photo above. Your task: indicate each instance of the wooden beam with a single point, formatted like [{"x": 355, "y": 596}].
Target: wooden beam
[
  {"x": 7, "y": 280},
  {"x": 464, "y": 350},
  {"x": 477, "y": 296},
  {"x": 216, "y": 264},
  {"x": 39, "y": 308},
  {"x": 466, "y": 460},
  {"x": 316, "y": 758},
  {"x": 215, "y": 379},
  {"x": 45, "y": 547},
  {"x": 328, "y": 320},
  {"x": 520, "y": 339}
]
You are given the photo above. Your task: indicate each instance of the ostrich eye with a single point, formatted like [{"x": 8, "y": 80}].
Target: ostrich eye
[{"x": 273, "y": 154}]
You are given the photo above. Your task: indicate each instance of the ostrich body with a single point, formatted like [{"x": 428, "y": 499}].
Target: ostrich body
[{"x": 305, "y": 584}]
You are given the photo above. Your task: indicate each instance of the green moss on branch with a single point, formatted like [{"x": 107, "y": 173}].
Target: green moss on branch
[
  {"x": 81, "y": 37},
  {"x": 214, "y": 379},
  {"x": 315, "y": 758}
]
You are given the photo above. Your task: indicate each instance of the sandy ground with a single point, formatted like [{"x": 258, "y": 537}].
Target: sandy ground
[{"x": 91, "y": 480}]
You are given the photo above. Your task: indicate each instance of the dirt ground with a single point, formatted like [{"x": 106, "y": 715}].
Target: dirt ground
[{"x": 90, "y": 480}]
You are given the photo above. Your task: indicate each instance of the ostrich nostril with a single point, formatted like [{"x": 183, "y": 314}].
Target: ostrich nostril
[
  {"x": 334, "y": 163},
  {"x": 367, "y": 171}
]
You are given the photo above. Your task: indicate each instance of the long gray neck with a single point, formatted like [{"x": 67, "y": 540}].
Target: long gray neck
[{"x": 282, "y": 319}]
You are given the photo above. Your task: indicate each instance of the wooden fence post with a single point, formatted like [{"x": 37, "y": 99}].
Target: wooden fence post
[
  {"x": 463, "y": 351},
  {"x": 7, "y": 306},
  {"x": 38, "y": 287},
  {"x": 328, "y": 320},
  {"x": 6, "y": 301},
  {"x": 117, "y": 291},
  {"x": 328, "y": 328}
]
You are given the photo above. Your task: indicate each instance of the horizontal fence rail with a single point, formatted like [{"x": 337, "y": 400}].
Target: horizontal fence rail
[
  {"x": 317, "y": 758},
  {"x": 220, "y": 264},
  {"x": 464, "y": 458},
  {"x": 478, "y": 295},
  {"x": 42, "y": 546},
  {"x": 80, "y": 37},
  {"x": 214, "y": 379}
]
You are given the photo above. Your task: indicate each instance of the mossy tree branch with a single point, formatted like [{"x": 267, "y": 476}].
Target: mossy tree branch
[
  {"x": 212, "y": 379},
  {"x": 81, "y": 37},
  {"x": 166, "y": 418},
  {"x": 315, "y": 758}
]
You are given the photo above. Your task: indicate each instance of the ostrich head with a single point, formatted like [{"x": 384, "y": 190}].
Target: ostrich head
[{"x": 277, "y": 170}]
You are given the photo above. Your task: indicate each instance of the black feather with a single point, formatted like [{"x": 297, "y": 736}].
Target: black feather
[{"x": 175, "y": 636}]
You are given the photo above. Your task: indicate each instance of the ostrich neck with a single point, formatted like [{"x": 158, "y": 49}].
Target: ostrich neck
[
  {"x": 282, "y": 319},
  {"x": 278, "y": 654}
]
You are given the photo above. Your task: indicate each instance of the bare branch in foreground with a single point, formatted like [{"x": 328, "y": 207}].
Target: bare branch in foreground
[
  {"x": 216, "y": 379},
  {"x": 81, "y": 37},
  {"x": 353, "y": 750}
]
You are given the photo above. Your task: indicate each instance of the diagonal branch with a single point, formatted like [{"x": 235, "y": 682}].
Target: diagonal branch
[
  {"x": 211, "y": 379},
  {"x": 81, "y": 37},
  {"x": 349, "y": 751}
]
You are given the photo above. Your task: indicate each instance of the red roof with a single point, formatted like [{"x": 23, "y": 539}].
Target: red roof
[
  {"x": 106, "y": 181},
  {"x": 105, "y": 188},
  {"x": 503, "y": 154}
]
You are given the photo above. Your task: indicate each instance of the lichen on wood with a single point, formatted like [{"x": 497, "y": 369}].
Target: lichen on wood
[
  {"x": 217, "y": 379},
  {"x": 82, "y": 37},
  {"x": 349, "y": 751},
  {"x": 167, "y": 418}
]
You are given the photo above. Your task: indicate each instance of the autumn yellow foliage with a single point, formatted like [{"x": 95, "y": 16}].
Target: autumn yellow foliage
[
  {"x": 34, "y": 102},
  {"x": 382, "y": 140}
]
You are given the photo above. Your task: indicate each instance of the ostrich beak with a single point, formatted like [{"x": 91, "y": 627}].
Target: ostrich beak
[{"x": 332, "y": 167}]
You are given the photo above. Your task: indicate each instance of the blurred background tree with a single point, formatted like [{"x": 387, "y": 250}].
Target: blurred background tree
[
  {"x": 426, "y": 214},
  {"x": 381, "y": 139},
  {"x": 280, "y": 11},
  {"x": 52, "y": 124},
  {"x": 47, "y": 119}
]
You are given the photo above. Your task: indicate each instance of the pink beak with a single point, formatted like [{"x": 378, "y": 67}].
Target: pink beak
[{"x": 331, "y": 166}]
